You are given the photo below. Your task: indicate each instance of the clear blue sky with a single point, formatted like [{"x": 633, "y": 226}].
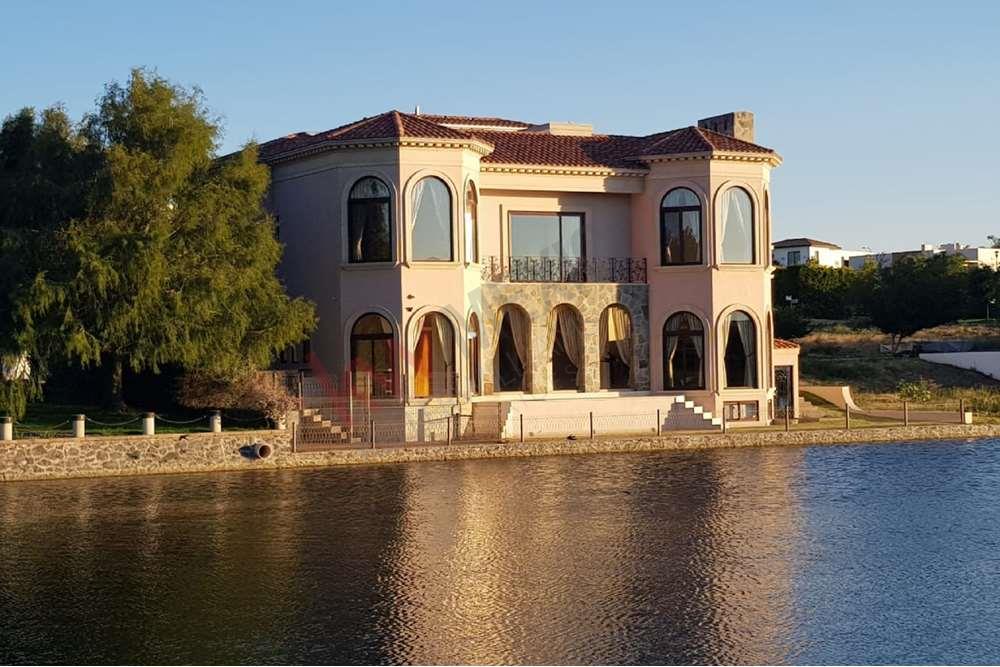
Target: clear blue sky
[{"x": 888, "y": 117}]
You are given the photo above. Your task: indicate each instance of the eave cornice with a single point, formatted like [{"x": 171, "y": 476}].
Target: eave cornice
[
  {"x": 480, "y": 147},
  {"x": 772, "y": 159}
]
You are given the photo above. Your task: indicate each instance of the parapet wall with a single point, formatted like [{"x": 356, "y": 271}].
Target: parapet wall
[{"x": 210, "y": 452}]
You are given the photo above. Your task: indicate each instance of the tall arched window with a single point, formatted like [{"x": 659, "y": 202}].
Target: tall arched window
[
  {"x": 474, "y": 354},
  {"x": 432, "y": 241},
  {"x": 369, "y": 222},
  {"x": 615, "y": 333},
  {"x": 434, "y": 357},
  {"x": 739, "y": 339},
  {"x": 683, "y": 352},
  {"x": 471, "y": 224},
  {"x": 567, "y": 348},
  {"x": 680, "y": 228},
  {"x": 737, "y": 227},
  {"x": 373, "y": 356}
]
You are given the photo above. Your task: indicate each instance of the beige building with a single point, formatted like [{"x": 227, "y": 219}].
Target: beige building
[
  {"x": 485, "y": 266},
  {"x": 795, "y": 252}
]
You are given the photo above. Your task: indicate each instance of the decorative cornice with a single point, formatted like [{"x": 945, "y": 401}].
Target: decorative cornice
[
  {"x": 480, "y": 147},
  {"x": 772, "y": 159}
]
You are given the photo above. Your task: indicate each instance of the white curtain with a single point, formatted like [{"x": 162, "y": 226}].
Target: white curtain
[
  {"x": 572, "y": 335},
  {"x": 737, "y": 227},
  {"x": 669, "y": 351},
  {"x": 418, "y": 198}
]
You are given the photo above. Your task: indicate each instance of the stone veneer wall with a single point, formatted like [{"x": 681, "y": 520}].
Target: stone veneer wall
[
  {"x": 539, "y": 299},
  {"x": 205, "y": 452}
]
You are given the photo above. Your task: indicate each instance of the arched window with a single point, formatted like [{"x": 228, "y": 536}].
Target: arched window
[
  {"x": 512, "y": 349},
  {"x": 567, "y": 348},
  {"x": 432, "y": 221},
  {"x": 373, "y": 357},
  {"x": 471, "y": 224},
  {"x": 739, "y": 339},
  {"x": 683, "y": 352},
  {"x": 434, "y": 357},
  {"x": 737, "y": 227},
  {"x": 680, "y": 228},
  {"x": 474, "y": 354},
  {"x": 616, "y": 348},
  {"x": 369, "y": 222}
]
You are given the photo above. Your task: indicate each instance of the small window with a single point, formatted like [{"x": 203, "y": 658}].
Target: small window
[
  {"x": 737, "y": 227},
  {"x": 471, "y": 224},
  {"x": 369, "y": 223},
  {"x": 794, "y": 258},
  {"x": 680, "y": 228},
  {"x": 432, "y": 241},
  {"x": 741, "y": 411}
]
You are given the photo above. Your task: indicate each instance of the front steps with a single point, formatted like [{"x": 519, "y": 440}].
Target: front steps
[{"x": 685, "y": 415}]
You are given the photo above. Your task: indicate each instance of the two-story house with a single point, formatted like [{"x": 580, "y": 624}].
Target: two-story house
[{"x": 537, "y": 269}]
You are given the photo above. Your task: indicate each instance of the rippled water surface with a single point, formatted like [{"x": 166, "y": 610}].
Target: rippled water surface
[{"x": 807, "y": 555}]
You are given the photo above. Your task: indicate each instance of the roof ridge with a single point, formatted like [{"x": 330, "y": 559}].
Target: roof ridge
[
  {"x": 329, "y": 134},
  {"x": 398, "y": 122}
]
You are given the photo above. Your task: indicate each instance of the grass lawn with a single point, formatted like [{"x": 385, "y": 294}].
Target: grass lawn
[
  {"x": 840, "y": 356},
  {"x": 45, "y": 420}
]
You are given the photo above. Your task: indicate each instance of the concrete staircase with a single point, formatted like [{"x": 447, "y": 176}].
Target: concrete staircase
[
  {"x": 685, "y": 415},
  {"x": 317, "y": 430}
]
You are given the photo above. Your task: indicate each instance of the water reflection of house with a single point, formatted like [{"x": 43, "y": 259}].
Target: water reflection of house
[{"x": 490, "y": 263}]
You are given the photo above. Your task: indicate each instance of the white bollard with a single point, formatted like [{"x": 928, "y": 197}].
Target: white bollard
[
  {"x": 6, "y": 429},
  {"x": 149, "y": 424},
  {"x": 79, "y": 426},
  {"x": 215, "y": 422}
]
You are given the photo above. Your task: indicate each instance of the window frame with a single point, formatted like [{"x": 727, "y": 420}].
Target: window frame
[
  {"x": 749, "y": 359},
  {"x": 559, "y": 215},
  {"x": 471, "y": 257},
  {"x": 354, "y": 338},
  {"x": 724, "y": 217},
  {"x": 676, "y": 332},
  {"x": 664, "y": 210},
  {"x": 353, "y": 203},
  {"x": 452, "y": 254}
]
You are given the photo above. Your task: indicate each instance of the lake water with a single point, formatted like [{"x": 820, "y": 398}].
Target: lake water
[{"x": 872, "y": 554}]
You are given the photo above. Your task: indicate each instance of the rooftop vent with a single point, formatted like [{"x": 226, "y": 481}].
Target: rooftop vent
[
  {"x": 736, "y": 124},
  {"x": 564, "y": 129}
]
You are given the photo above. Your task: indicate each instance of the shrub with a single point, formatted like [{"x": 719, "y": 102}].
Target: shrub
[
  {"x": 920, "y": 391},
  {"x": 250, "y": 390},
  {"x": 789, "y": 323}
]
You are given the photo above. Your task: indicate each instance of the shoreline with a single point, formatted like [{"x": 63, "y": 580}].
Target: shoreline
[{"x": 116, "y": 456}]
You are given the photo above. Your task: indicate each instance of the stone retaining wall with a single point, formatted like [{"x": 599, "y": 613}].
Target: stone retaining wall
[{"x": 207, "y": 452}]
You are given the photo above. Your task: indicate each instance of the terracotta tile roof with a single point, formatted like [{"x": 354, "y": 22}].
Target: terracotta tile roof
[
  {"x": 699, "y": 140},
  {"x": 389, "y": 125},
  {"x": 782, "y": 344},
  {"x": 483, "y": 121},
  {"x": 518, "y": 145},
  {"x": 556, "y": 150}
]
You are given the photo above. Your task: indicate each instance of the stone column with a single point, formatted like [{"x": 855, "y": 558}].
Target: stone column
[
  {"x": 6, "y": 429},
  {"x": 541, "y": 356},
  {"x": 215, "y": 422},
  {"x": 149, "y": 424},
  {"x": 592, "y": 354},
  {"x": 79, "y": 426}
]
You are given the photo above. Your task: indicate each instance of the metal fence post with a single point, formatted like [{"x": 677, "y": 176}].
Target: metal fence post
[
  {"x": 906, "y": 413},
  {"x": 787, "y": 419},
  {"x": 723, "y": 419},
  {"x": 591, "y": 424},
  {"x": 300, "y": 391},
  {"x": 847, "y": 417},
  {"x": 447, "y": 425},
  {"x": 961, "y": 411},
  {"x": 371, "y": 431},
  {"x": 659, "y": 423},
  {"x": 522, "y": 426}
]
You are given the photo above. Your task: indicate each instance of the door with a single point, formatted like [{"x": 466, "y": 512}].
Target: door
[
  {"x": 422, "y": 363},
  {"x": 784, "y": 391}
]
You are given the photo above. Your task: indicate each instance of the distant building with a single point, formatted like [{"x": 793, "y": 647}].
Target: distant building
[
  {"x": 793, "y": 252},
  {"x": 973, "y": 256}
]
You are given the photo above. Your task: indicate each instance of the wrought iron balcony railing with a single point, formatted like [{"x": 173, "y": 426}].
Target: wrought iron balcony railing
[{"x": 572, "y": 270}]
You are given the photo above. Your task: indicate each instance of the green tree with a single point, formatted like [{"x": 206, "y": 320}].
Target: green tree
[
  {"x": 170, "y": 257},
  {"x": 918, "y": 293}
]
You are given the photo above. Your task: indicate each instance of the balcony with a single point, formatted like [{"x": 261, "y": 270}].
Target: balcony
[{"x": 570, "y": 270}]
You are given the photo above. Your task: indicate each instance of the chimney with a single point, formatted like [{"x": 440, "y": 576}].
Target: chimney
[
  {"x": 564, "y": 129},
  {"x": 736, "y": 124}
]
